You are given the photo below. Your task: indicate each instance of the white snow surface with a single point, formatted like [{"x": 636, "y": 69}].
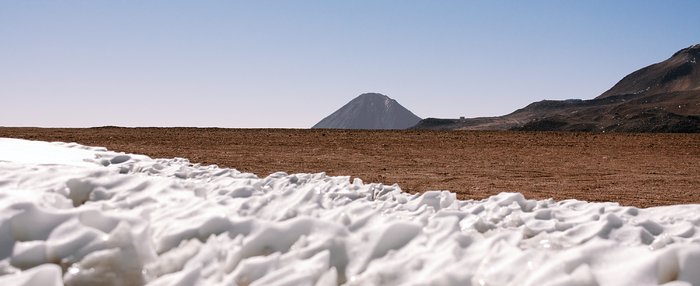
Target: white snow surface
[{"x": 76, "y": 215}]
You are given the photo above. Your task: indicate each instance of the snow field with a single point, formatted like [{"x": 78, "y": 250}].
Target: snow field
[{"x": 76, "y": 215}]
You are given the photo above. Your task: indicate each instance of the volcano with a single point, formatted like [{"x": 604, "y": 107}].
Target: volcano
[{"x": 370, "y": 111}]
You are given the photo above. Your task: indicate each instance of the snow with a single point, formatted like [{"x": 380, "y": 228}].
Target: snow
[{"x": 76, "y": 215}]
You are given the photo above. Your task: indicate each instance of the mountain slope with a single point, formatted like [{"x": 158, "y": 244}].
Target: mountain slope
[
  {"x": 370, "y": 111},
  {"x": 678, "y": 73},
  {"x": 663, "y": 97}
]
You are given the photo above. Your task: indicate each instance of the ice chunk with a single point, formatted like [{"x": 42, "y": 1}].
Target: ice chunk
[{"x": 44, "y": 275}]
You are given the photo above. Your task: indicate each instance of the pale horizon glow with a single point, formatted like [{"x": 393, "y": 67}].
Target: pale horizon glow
[{"x": 285, "y": 64}]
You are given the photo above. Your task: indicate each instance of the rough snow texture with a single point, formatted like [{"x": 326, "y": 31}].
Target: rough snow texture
[
  {"x": 370, "y": 111},
  {"x": 76, "y": 215}
]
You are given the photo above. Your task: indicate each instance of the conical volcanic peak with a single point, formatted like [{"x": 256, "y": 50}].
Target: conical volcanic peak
[
  {"x": 681, "y": 72},
  {"x": 371, "y": 96},
  {"x": 370, "y": 111}
]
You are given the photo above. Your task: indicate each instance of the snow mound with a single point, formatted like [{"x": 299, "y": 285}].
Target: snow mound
[{"x": 76, "y": 215}]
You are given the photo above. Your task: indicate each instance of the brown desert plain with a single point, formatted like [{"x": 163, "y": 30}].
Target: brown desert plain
[{"x": 638, "y": 169}]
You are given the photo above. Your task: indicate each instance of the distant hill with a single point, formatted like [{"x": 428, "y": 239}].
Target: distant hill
[
  {"x": 679, "y": 73},
  {"x": 663, "y": 97},
  {"x": 370, "y": 111}
]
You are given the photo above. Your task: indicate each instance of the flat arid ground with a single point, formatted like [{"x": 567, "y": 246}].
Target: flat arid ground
[{"x": 634, "y": 169}]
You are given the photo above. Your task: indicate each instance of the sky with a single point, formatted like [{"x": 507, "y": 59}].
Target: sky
[{"x": 288, "y": 64}]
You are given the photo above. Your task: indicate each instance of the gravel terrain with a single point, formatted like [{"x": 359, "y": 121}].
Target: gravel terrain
[{"x": 642, "y": 170}]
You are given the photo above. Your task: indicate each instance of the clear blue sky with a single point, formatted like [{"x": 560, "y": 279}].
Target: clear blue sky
[{"x": 291, "y": 63}]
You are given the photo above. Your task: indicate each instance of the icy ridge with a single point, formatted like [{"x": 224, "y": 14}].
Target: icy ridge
[{"x": 99, "y": 217}]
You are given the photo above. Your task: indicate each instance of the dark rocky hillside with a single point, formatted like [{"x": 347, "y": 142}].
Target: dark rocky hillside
[{"x": 663, "y": 97}]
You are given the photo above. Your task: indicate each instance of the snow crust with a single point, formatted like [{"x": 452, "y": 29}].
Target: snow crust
[{"x": 76, "y": 215}]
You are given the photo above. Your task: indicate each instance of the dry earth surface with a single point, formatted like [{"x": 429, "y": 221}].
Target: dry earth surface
[{"x": 634, "y": 169}]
